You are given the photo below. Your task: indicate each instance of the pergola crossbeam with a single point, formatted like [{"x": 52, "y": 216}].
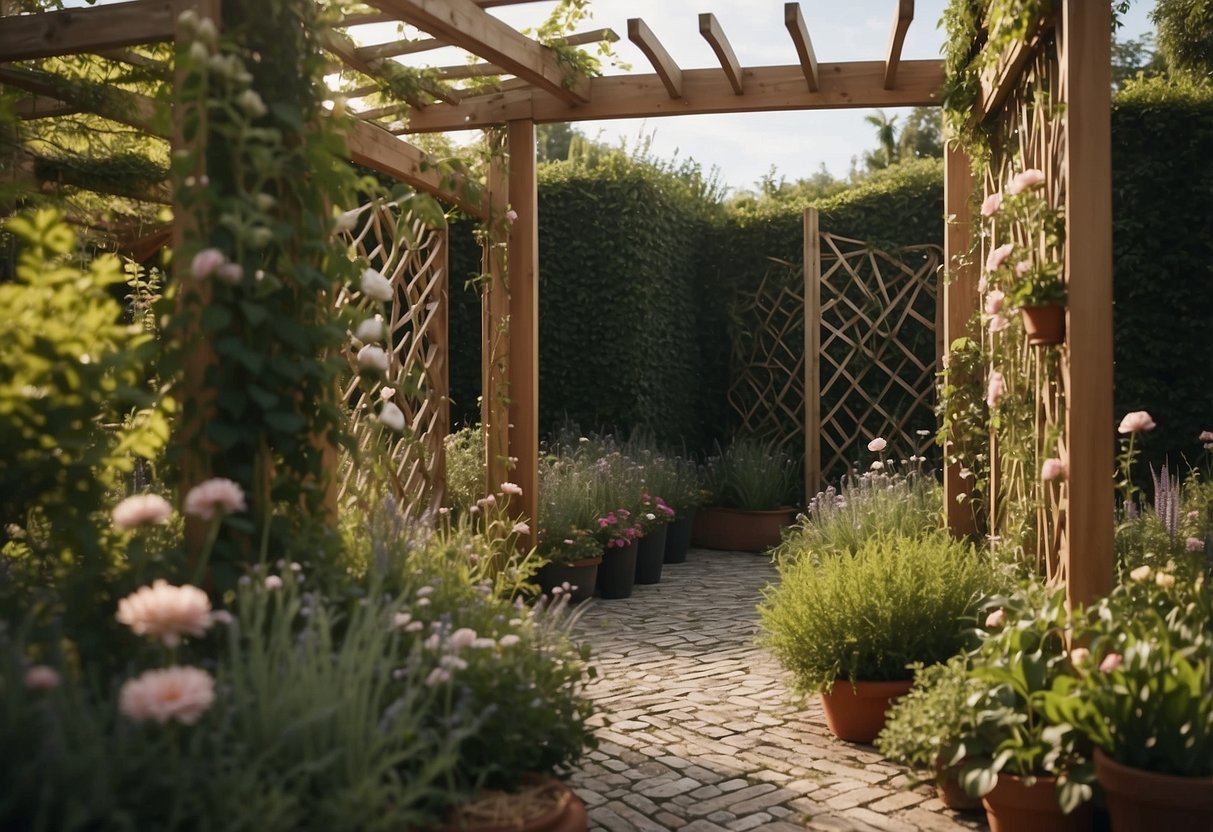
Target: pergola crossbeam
[
  {"x": 667, "y": 70},
  {"x": 710, "y": 28},
  {"x": 793, "y": 20},
  {"x": 93, "y": 29},
  {"x": 897, "y": 39},
  {"x": 41, "y": 106},
  {"x": 463, "y": 24}
]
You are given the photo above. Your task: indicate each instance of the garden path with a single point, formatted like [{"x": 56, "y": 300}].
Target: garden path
[{"x": 698, "y": 731}]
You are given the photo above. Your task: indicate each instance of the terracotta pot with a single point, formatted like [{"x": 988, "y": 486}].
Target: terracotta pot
[
  {"x": 581, "y": 574},
  {"x": 1144, "y": 800},
  {"x": 740, "y": 531},
  {"x": 650, "y": 555},
  {"x": 1012, "y": 806},
  {"x": 678, "y": 538},
  {"x": 544, "y": 805},
  {"x": 617, "y": 572},
  {"x": 855, "y": 711},
  {"x": 953, "y": 795},
  {"x": 1044, "y": 324}
]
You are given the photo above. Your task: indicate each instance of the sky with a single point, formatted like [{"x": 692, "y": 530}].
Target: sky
[{"x": 744, "y": 147}]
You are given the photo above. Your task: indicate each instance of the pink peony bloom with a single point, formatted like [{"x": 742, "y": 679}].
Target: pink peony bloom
[
  {"x": 511, "y": 488},
  {"x": 166, "y": 612},
  {"x": 1194, "y": 544},
  {"x": 994, "y": 302},
  {"x": 995, "y": 389},
  {"x": 996, "y": 619},
  {"x": 393, "y": 417},
  {"x": 41, "y": 677},
  {"x": 877, "y": 445},
  {"x": 217, "y": 493},
  {"x": 139, "y": 509},
  {"x": 991, "y": 206},
  {"x": 1026, "y": 181},
  {"x": 371, "y": 357},
  {"x": 1110, "y": 662},
  {"x": 1136, "y": 422},
  {"x": 998, "y": 323},
  {"x": 180, "y": 693},
  {"x": 998, "y": 256},
  {"x": 1052, "y": 469},
  {"x": 522, "y": 528},
  {"x": 206, "y": 262}
]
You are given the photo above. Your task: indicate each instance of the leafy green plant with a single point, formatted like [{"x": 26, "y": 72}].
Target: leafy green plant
[
  {"x": 465, "y": 468},
  {"x": 752, "y": 475},
  {"x": 867, "y": 617},
  {"x": 568, "y": 516}
]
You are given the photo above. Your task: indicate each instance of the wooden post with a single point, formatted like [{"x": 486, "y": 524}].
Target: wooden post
[
  {"x": 524, "y": 318},
  {"x": 960, "y": 300},
  {"x": 812, "y": 354},
  {"x": 495, "y": 323},
  {"x": 1086, "y": 548}
]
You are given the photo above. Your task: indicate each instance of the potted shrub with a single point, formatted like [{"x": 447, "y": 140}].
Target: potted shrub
[
  {"x": 654, "y": 520},
  {"x": 849, "y": 627},
  {"x": 617, "y": 490},
  {"x": 566, "y": 543},
  {"x": 753, "y": 486},
  {"x": 684, "y": 493}
]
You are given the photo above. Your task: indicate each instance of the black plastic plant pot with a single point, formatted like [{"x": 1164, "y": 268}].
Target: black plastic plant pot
[
  {"x": 678, "y": 538},
  {"x": 617, "y": 573},
  {"x": 650, "y": 555}
]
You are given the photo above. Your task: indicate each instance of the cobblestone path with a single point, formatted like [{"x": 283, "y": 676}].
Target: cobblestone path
[{"x": 698, "y": 730}]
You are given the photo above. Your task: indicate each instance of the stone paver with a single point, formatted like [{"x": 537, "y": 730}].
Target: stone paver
[{"x": 698, "y": 730}]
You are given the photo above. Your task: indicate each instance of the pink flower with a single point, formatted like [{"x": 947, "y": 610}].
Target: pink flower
[
  {"x": 1110, "y": 662},
  {"x": 437, "y": 676},
  {"x": 1194, "y": 544},
  {"x": 230, "y": 273},
  {"x": 393, "y": 417},
  {"x": 991, "y": 205},
  {"x": 41, "y": 677},
  {"x": 1023, "y": 267},
  {"x": 522, "y": 528},
  {"x": 998, "y": 256},
  {"x": 1026, "y": 181},
  {"x": 217, "y": 493},
  {"x": 206, "y": 262},
  {"x": 139, "y": 509},
  {"x": 1079, "y": 656},
  {"x": 511, "y": 488},
  {"x": 998, "y": 323},
  {"x": 511, "y": 215},
  {"x": 877, "y": 445},
  {"x": 602, "y": 523},
  {"x": 166, "y": 612},
  {"x": 1206, "y": 436},
  {"x": 180, "y": 693},
  {"x": 1052, "y": 469},
  {"x": 995, "y": 389},
  {"x": 273, "y": 582},
  {"x": 982, "y": 285},
  {"x": 996, "y": 619},
  {"x": 1136, "y": 422},
  {"x": 994, "y": 302},
  {"x": 463, "y": 637}
]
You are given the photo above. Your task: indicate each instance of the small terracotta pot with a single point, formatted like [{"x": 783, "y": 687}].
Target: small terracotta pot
[
  {"x": 734, "y": 530},
  {"x": 1044, "y": 325},
  {"x": 562, "y": 811},
  {"x": 1012, "y": 806},
  {"x": 1140, "y": 800},
  {"x": 855, "y": 711}
]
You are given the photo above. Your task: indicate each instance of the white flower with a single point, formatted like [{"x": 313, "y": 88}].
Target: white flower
[
  {"x": 139, "y": 509},
  {"x": 1141, "y": 574},
  {"x": 508, "y": 640},
  {"x": 251, "y": 103},
  {"x": 877, "y": 445},
  {"x": 1164, "y": 580},
  {"x": 347, "y": 221},
  {"x": 401, "y": 620},
  {"x": 877, "y": 465},
  {"x": 166, "y": 612},
  {"x": 273, "y": 582},
  {"x": 996, "y": 619},
  {"x": 483, "y": 644},
  {"x": 463, "y": 637},
  {"x": 392, "y": 416},
  {"x": 371, "y": 357},
  {"x": 437, "y": 676},
  {"x": 370, "y": 331},
  {"x": 215, "y": 493},
  {"x": 375, "y": 286},
  {"x": 522, "y": 528},
  {"x": 180, "y": 693},
  {"x": 511, "y": 488}
]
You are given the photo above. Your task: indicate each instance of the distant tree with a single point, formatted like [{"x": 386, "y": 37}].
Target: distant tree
[
  {"x": 886, "y": 135},
  {"x": 1185, "y": 36},
  {"x": 922, "y": 135},
  {"x": 552, "y": 141},
  {"x": 1133, "y": 57}
]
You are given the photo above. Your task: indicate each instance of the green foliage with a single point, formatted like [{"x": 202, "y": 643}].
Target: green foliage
[
  {"x": 868, "y": 617},
  {"x": 465, "y": 468},
  {"x": 925, "y": 725},
  {"x": 1185, "y": 36},
  {"x": 752, "y": 475},
  {"x": 963, "y": 427}
]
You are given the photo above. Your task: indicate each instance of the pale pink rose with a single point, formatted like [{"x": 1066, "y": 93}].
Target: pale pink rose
[
  {"x": 1023, "y": 267},
  {"x": 166, "y": 612},
  {"x": 992, "y": 204},
  {"x": 877, "y": 445},
  {"x": 375, "y": 286},
  {"x": 392, "y": 416},
  {"x": 1052, "y": 469},
  {"x": 139, "y": 509},
  {"x": 1206, "y": 436},
  {"x": 511, "y": 215},
  {"x": 1136, "y": 422},
  {"x": 371, "y": 357},
  {"x": 41, "y": 677},
  {"x": 1141, "y": 574},
  {"x": 998, "y": 256},
  {"x": 1026, "y": 181},
  {"x": 1079, "y": 656},
  {"x": 995, "y": 389},
  {"x": 463, "y": 637},
  {"x": 230, "y": 273},
  {"x": 386, "y": 393},
  {"x": 511, "y": 488},
  {"x": 998, "y": 323},
  {"x": 1194, "y": 544},
  {"x": 522, "y": 528},
  {"x": 206, "y": 262},
  {"x": 982, "y": 284},
  {"x": 1164, "y": 580},
  {"x": 180, "y": 693},
  {"x": 996, "y": 619},
  {"x": 1110, "y": 662},
  {"x": 370, "y": 330},
  {"x": 273, "y": 582},
  {"x": 216, "y": 493},
  {"x": 994, "y": 302}
]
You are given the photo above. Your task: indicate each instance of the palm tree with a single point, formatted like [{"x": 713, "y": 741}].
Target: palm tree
[{"x": 886, "y": 134}]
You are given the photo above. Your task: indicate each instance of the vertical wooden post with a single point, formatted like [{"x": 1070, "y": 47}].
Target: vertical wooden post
[
  {"x": 495, "y": 324},
  {"x": 439, "y": 371},
  {"x": 524, "y": 317},
  {"x": 960, "y": 300},
  {"x": 812, "y": 354},
  {"x": 1086, "y": 549}
]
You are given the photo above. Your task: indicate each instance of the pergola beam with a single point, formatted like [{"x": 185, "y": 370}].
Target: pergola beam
[
  {"x": 714, "y": 35},
  {"x": 844, "y": 85},
  {"x": 94, "y": 29},
  {"x": 897, "y": 39},
  {"x": 667, "y": 69},
  {"x": 793, "y": 19},
  {"x": 385, "y": 17},
  {"x": 42, "y": 106},
  {"x": 463, "y": 24},
  {"x": 395, "y": 48}
]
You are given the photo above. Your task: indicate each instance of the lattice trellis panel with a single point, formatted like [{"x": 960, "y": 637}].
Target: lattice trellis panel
[
  {"x": 878, "y": 352},
  {"x": 413, "y": 256}
]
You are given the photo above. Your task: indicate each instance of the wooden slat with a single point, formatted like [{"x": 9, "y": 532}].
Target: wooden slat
[
  {"x": 714, "y": 35},
  {"x": 461, "y": 23},
  {"x": 460, "y": 71},
  {"x": 793, "y": 19},
  {"x": 1086, "y": 84},
  {"x": 385, "y": 17},
  {"x": 378, "y": 149},
  {"x": 667, "y": 70},
  {"x": 524, "y": 319},
  {"x": 340, "y": 45},
  {"x": 592, "y": 36},
  {"x": 845, "y": 85},
  {"x": 129, "y": 108},
  {"x": 129, "y": 56},
  {"x": 42, "y": 106},
  {"x": 897, "y": 39},
  {"x": 812, "y": 354},
  {"x": 70, "y": 31},
  {"x": 998, "y": 83},
  {"x": 397, "y": 48}
]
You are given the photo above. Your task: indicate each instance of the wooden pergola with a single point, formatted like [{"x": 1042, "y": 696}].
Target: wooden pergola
[{"x": 530, "y": 85}]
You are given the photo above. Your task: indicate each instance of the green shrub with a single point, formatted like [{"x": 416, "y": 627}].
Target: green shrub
[
  {"x": 925, "y": 726},
  {"x": 465, "y": 468},
  {"x": 752, "y": 475},
  {"x": 867, "y": 617}
]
